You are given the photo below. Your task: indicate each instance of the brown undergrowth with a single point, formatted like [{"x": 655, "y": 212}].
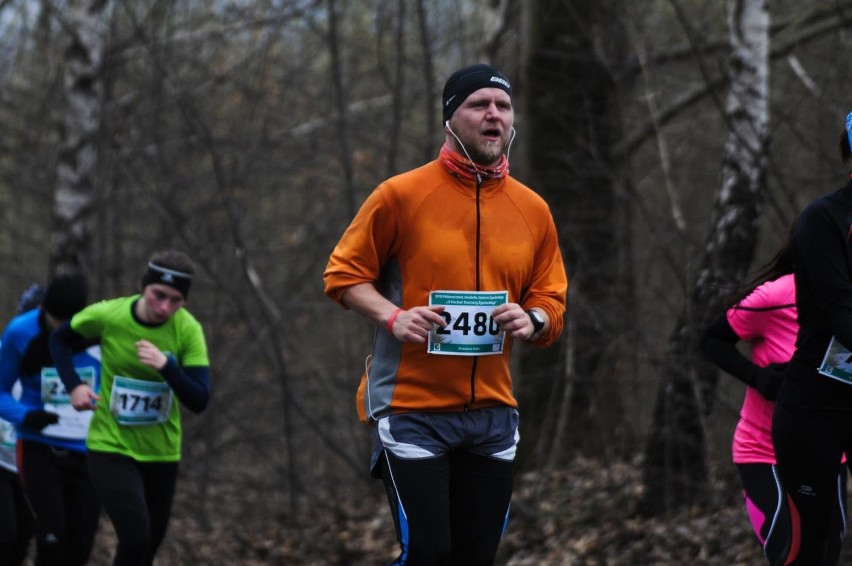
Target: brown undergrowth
[{"x": 582, "y": 515}]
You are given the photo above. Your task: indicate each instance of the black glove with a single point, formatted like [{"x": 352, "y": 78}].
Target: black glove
[
  {"x": 37, "y": 419},
  {"x": 767, "y": 380}
]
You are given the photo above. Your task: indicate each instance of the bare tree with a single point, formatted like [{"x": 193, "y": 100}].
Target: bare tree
[
  {"x": 676, "y": 461},
  {"x": 338, "y": 77},
  {"x": 574, "y": 124},
  {"x": 428, "y": 78},
  {"x": 78, "y": 157}
]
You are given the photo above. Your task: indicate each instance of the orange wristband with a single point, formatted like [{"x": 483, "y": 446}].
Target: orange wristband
[{"x": 392, "y": 319}]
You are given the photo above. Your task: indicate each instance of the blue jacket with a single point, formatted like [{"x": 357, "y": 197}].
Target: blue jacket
[{"x": 25, "y": 357}]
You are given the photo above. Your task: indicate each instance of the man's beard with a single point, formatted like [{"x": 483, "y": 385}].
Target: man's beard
[{"x": 488, "y": 153}]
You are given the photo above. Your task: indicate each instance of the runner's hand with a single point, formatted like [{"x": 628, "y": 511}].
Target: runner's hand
[
  {"x": 768, "y": 380},
  {"x": 83, "y": 398},
  {"x": 514, "y": 320},
  {"x": 415, "y": 324},
  {"x": 150, "y": 355}
]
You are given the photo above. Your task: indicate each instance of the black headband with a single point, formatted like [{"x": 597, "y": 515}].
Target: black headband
[{"x": 165, "y": 276}]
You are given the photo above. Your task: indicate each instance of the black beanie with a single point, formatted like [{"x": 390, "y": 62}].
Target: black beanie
[
  {"x": 465, "y": 81},
  {"x": 65, "y": 296}
]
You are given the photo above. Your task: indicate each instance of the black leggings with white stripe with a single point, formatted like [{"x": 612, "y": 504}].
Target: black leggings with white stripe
[
  {"x": 809, "y": 449},
  {"x": 450, "y": 510},
  {"x": 776, "y": 529}
]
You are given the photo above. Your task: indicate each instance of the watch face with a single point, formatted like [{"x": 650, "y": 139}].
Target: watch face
[{"x": 537, "y": 320}]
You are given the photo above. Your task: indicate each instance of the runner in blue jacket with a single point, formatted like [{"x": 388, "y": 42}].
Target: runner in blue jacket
[
  {"x": 51, "y": 434},
  {"x": 16, "y": 521}
]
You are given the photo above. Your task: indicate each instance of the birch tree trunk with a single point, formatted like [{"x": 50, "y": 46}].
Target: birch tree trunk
[
  {"x": 78, "y": 156},
  {"x": 675, "y": 466}
]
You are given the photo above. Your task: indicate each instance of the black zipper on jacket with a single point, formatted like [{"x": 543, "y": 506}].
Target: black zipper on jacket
[{"x": 477, "y": 261}]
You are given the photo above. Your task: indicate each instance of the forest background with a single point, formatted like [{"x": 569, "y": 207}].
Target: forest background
[{"x": 675, "y": 141}]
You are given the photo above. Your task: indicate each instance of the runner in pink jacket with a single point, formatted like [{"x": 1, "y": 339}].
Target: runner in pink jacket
[{"x": 765, "y": 319}]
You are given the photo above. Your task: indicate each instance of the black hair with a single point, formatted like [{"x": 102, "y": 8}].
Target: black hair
[
  {"x": 30, "y": 298},
  {"x": 780, "y": 264},
  {"x": 173, "y": 259},
  {"x": 845, "y": 150}
]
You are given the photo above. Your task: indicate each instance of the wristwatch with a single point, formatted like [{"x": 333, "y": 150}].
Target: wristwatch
[{"x": 537, "y": 320}]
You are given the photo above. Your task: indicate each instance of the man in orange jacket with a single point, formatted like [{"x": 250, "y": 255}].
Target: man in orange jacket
[{"x": 452, "y": 262}]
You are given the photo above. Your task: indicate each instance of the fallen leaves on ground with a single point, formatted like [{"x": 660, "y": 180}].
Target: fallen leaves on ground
[{"x": 580, "y": 515}]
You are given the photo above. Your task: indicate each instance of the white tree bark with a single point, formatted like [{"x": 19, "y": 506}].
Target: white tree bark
[
  {"x": 733, "y": 237},
  {"x": 747, "y": 104},
  {"x": 75, "y": 186},
  {"x": 676, "y": 461}
]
